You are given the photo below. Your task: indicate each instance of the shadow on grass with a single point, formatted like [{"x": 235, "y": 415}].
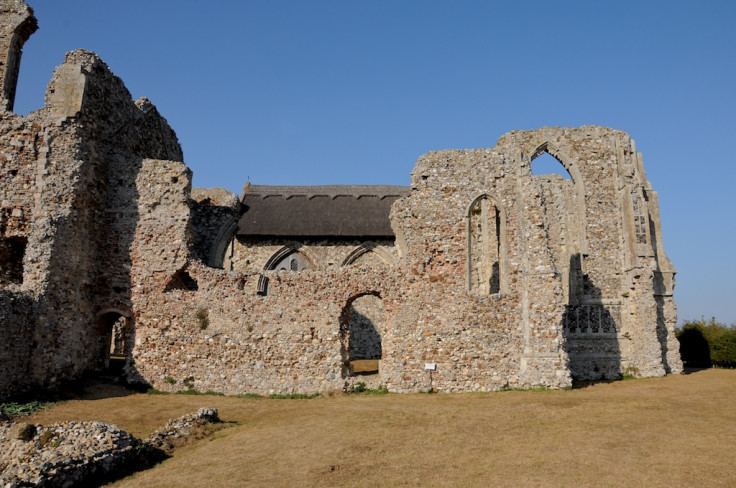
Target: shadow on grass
[
  {"x": 693, "y": 369},
  {"x": 89, "y": 387},
  {"x": 579, "y": 384}
]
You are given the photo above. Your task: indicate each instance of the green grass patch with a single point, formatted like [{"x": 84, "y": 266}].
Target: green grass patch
[
  {"x": 192, "y": 391},
  {"x": 249, "y": 396},
  {"x": 361, "y": 389},
  {"x": 13, "y": 409},
  {"x": 293, "y": 396},
  {"x": 530, "y": 389},
  {"x": 187, "y": 392},
  {"x": 154, "y": 391}
]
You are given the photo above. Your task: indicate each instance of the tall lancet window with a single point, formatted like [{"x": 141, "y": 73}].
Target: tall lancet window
[{"x": 485, "y": 247}]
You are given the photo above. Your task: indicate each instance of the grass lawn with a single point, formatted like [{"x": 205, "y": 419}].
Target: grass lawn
[{"x": 674, "y": 431}]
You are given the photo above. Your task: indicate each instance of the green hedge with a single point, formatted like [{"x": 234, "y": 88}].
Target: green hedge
[{"x": 705, "y": 344}]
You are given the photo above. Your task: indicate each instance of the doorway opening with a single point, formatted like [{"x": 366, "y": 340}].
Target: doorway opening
[
  {"x": 115, "y": 344},
  {"x": 362, "y": 324}
]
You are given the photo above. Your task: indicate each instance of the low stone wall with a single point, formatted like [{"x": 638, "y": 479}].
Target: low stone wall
[{"x": 78, "y": 453}]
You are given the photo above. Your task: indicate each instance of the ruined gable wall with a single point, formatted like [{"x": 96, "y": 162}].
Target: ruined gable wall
[
  {"x": 557, "y": 317},
  {"x": 611, "y": 327},
  {"x": 476, "y": 339}
]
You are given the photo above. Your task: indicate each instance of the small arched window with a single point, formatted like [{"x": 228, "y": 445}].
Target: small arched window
[
  {"x": 288, "y": 258},
  {"x": 294, "y": 261}
]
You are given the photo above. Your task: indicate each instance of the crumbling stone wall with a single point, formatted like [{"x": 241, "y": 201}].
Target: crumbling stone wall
[
  {"x": 557, "y": 303},
  {"x": 499, "y": 277},
  {"x": 68, "y": 200},
  {"x": 215, "y": 213}
]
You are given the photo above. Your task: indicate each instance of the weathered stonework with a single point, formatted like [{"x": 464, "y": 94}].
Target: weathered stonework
[{"x": 499, "y": 277}]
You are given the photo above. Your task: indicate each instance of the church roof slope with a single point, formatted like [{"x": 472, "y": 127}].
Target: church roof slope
[{"x": 318, "y": 211}]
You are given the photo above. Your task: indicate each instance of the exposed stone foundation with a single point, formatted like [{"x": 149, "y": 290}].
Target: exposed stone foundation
[{"x": 86, "y": 453}]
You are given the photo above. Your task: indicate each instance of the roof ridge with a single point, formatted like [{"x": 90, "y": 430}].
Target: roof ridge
[{"x": 332, "y": 191}]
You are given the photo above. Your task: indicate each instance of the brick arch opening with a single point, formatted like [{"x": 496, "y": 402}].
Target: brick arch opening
[{"x": 361, "y": 328}]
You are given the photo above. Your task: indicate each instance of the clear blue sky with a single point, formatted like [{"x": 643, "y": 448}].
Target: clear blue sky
[{"x": 326, "y": 92}]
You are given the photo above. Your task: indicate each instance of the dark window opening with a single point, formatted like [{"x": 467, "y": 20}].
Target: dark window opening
[
  {"x": 182, "y": 280},
  {"x": 12, "y": 250}
]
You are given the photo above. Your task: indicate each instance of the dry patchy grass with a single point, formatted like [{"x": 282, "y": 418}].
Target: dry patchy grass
[{"x": 674, "y": 431}]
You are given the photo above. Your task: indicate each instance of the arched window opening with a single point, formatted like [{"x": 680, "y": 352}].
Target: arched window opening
[
  {"x": 288, "y": 258},
  {"x": 294, "y": 261},
  {"x": 546, "y": 164},
  {"x": 485, "y": 241},
  {"x": 369, "y": 254}
]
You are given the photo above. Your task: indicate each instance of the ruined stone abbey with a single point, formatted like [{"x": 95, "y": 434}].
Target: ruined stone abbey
[{"x": 498, "y": 277}]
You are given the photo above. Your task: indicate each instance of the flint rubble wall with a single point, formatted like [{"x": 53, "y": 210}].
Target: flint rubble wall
[{"x": 499, "y": 277}]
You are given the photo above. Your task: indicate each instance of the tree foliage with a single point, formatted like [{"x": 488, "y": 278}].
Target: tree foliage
[{"x": 707, "y": 343}]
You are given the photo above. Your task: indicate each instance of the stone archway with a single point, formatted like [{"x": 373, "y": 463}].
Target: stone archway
[{"x": 361, "y": 327}]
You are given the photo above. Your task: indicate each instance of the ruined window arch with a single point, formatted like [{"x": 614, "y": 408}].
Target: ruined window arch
[
  {"x": 546, "y": 164},
  {"x": 554, "y": 155},
  {"x": 294, "y": 261},
  {"x": 563, "y": 164},
  {"x": 486, "y": 247},
  {"x": 369, "y": 253},
  {"x": 289, "y": 258},
  {"x": 224, "y": 239}
]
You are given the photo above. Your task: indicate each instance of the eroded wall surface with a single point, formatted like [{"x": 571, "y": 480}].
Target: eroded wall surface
[{"x": 74, "y": 175}]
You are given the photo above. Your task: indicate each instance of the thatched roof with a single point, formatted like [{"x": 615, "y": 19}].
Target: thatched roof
[{"x": 318, "y": 211}]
